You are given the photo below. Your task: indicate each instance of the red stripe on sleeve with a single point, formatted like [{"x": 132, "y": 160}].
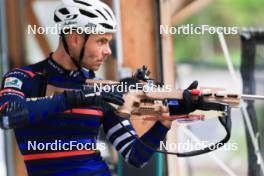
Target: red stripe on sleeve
[
  {"x": 84, "y": 111},
  {"x": 30, "y": 73},
  {"x": 58, "y": 154}
]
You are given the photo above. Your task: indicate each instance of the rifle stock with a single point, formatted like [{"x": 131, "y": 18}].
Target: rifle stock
[{"x": 138, "y": 102}]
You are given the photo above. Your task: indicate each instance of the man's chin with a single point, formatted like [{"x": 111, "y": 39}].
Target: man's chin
[{"x": 95, "y": 68}]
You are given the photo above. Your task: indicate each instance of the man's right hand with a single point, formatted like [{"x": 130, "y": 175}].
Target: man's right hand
[{"x": 187, "y": 104}]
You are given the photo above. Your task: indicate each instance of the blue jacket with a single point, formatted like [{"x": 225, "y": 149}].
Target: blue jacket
[{"x": 52, "y": 122}]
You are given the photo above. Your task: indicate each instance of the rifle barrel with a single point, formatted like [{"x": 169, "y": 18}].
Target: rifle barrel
[{"x": 252, "y": 97}]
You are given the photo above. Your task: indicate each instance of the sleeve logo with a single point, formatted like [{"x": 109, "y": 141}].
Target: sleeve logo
[{"x": 13, "y": 82}]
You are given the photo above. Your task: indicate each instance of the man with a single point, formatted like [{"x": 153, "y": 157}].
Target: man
[{"x": 74, "y": 114}]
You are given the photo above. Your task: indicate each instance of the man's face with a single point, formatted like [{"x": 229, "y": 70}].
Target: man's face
[{"x": 97, "y": 50}]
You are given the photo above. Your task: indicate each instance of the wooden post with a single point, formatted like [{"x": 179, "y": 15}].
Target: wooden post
[
  {"x": 139, "y": 47},
  {"x": 15, "y": 34},
  {"x": 32, "y": 20},
  {"x": 16, "y": 45},
  {"x": 169, "y": 76},
  {"x": 16, "y": 54}
]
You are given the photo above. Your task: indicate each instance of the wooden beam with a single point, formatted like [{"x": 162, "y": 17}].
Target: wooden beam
[
  {"x": 139, "y": 46},
  {"x": 169, "y": 78},
  {"x": 16, "y": 46},
  {"x": 32, "y": 20},
  {"x": 177, "y": 5},
  {"x": 139, "y": 34},
  {"x": 189, "y": 10},
  {"x": 15, "y": 34},
  {"x": 16, "y": 55},
  {"x": 110, "y": 65}
]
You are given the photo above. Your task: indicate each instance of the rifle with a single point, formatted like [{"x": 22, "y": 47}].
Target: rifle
[{"x": 153, "y": 105}]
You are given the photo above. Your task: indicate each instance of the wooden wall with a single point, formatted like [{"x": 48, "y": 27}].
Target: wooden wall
[{"x": 139, "y": 46}]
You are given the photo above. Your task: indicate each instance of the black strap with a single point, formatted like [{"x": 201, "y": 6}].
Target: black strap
[
  {"x": 66, "y": 48},
  {"x": 225, "y": 121},
  {"x": 83, "y": 48}
]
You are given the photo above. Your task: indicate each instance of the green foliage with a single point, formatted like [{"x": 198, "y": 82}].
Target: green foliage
[{"x": 223, "y": 13}]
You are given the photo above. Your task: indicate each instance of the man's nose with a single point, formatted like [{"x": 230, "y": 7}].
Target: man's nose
[{"x": 107, "y": 50}]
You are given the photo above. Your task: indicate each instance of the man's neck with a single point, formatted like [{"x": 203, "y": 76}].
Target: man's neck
[{"x": 63, "y": 59}]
